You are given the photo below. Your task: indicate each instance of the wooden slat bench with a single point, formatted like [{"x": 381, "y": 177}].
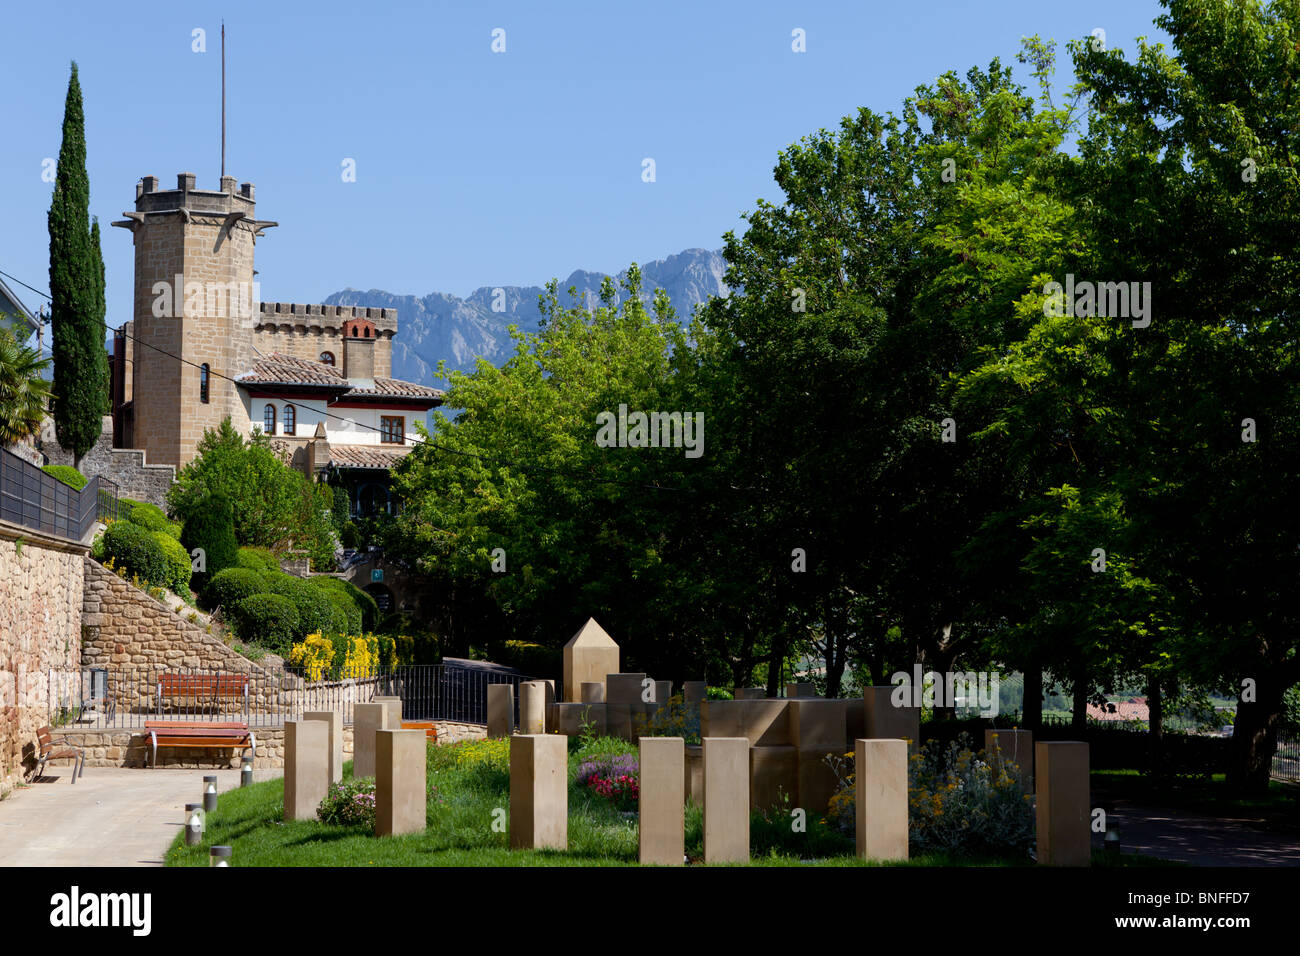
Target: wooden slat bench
[
  {"x": 200, "y": 733},
  {"x": 203, "y": 688},
  {"x": 45, "y": 738},
  {"x": 427, "y": 726}
]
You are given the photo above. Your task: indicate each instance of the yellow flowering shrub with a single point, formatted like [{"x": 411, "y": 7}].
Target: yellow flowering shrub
[
  {"x": 674, "y": 719},
  {"x": 314, "y": 655},
  {"x": 362, "y": 655}
]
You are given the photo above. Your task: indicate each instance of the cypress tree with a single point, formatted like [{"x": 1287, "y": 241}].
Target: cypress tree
[{"x": 77, "y": 291}]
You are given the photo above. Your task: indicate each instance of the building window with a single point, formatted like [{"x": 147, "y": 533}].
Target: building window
[
  {"x": 327, "y": 358},
  {"x": 203, "y": 383},
  {"x": 367, "y": 331},
  {"x": 268, "y": 419},
  {"x": 392, "y": 431},
  {"x": 355, "y": 332},
  {"x": 289, "y": 417}
]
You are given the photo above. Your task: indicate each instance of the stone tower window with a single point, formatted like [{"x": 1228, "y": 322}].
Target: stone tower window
[
  {"x": 203, "y": 383},
  {"x": 268, "y": 419},
  {"x": 354, "y": 332},
  {"x": 367, "y": 332},
  {"x": 289, "y": 417},
  {"x": 327, "y": 358}
]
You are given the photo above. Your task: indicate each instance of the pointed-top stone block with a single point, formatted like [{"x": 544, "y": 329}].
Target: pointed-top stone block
[{"x": 589, "y": 656}]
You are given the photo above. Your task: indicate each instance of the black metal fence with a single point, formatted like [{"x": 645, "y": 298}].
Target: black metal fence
[
  {"x": 33, "y": 499},
  {"x": 1286, "y": 760},
  {"x": 124, "y": 697}
]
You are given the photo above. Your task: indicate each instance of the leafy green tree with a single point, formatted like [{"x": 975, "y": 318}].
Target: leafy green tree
[
  {"x": 23, "y": 392},
  {"x": 275, "y": 506},
  {"x": 77, "y": 292},
  {"x": 210, "y": 528}
]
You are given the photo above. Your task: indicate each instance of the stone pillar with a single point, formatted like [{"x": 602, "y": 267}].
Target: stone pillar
[
  {"x": 593, "y": 692},
  {"x": 881, "y": 781},
  {"x": 394, "y": 705},
  {"x": 306, "y": 767},
  {"x": 539, "y": 791},
  {"x": 663, "y": 691},
  {"x": 532, "y": 707},
  {"x": 1061, "y": 778},
  {"x": 500, "y": 710},
  {"x": 368, "y": 720},
  {"x": 1012, "y": 747},
  {"x": 800, "y": 690},
  {"x": 335, "y": 721},
  {"x": 401, "y": 786},
  {"x": 749, "y": 693},
  {"x": 662, "y": 832},
  {"x": 694, "y": 691},
  {"x": 589, "y": 656},
  {"x": 884, "y": 721},
  {"x": 817, "y": 731},
  {"x": 726, "y": 799}
]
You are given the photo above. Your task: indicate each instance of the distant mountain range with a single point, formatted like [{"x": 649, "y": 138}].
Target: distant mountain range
[{"x": 442, "y": 326}]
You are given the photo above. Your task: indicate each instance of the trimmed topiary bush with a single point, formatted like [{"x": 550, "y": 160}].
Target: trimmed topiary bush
[
  {"x": 364, "y": 602},
  {"x": 315, "y": 613},
  {"x": 227, "y": 588},
  {"x": 269, "y": 620},
  {"x": 178, "y": 562},
  {"x": 134, "y": 550},
  {"x": 342, "y": 603},
  {"x": 149, "y": 516},
  {"x": 66, "y": 474},
  {"x": 212, "y": 529},
  {"x": 257, "y": 559}
]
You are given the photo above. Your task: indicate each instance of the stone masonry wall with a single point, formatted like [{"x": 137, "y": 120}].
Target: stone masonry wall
[
  {"x": 126, "y": 467},
  {"x": 40, "y": 630},
  {"x": 136, "y": 637},
  {"x": 130, "y": 748}
]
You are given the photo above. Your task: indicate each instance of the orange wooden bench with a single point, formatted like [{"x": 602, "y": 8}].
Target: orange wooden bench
[
  {"x": 46, "y": 741},
  {"x": 204, "y": 689},
  {"x": 427, "y": 726},
  {"x": 199, "y": 733}
]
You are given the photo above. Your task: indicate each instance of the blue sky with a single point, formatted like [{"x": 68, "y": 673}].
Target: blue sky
[{"x": 473, "y": 168}]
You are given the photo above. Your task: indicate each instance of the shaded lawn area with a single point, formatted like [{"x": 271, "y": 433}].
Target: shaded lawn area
[{"x": 467, "y": 796}]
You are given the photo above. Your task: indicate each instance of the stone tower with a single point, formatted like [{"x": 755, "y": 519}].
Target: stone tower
[{"x": 196, "y": 301}]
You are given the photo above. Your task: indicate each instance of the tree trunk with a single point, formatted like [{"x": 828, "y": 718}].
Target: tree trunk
[
  {"x": 1155, "y": 721},
  {"x": 1079, "y": 710},
  {"x": 1254, "y": 736},
  {"x": 1032, "y": 709}
]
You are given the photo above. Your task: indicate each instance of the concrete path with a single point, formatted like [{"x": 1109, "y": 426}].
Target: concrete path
[
  {"x": 1176, "y": 834},
  {"x": 112, "y": 816}
]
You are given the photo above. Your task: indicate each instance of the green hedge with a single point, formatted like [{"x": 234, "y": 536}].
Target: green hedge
[
  {"x": 315, "y": 613},
  {"x": 227, "y": 588},
  {"x": 363, "y": 601},
  {"x": 134, "y": 550},
  {"x": 148, "y": 516},
  {"x": 257, "y": 559},
  {"x": 66, "y": 474},
  {"x": 344, "y": 605},
  {"x": 269, "y": 620},
  {"x": 178, "y": 562}
]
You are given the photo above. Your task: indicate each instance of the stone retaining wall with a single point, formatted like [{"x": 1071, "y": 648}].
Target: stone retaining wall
[
  {"x": 40, "y": 631},
  {"x": 107, "y": 747},
  {"x": 136, "y": 637},
  {"x": 134, "y": 476}
]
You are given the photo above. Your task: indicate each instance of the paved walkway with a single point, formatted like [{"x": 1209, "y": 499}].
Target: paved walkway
[
  {"x": 112, "y": 816},
  {"x": 1177, "y": 834}
]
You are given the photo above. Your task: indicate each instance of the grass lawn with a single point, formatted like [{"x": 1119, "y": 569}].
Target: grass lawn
[{"x": 468, "y": 790}]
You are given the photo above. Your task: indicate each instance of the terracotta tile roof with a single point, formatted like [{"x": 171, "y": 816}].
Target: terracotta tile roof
[
  {"x": 277, "y": 369},
  {"x": 1133, "y": 709},
  {"x": 367, "y": 456},
  {"x": 394, "y": 386}
]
